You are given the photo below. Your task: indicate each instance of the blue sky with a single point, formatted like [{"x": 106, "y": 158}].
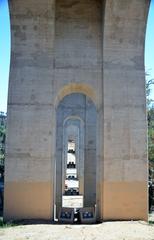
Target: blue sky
[
  {"x": 149, "y": 45},
  {"x": 5, "y": 50},
  {"x": 4, "y": 53}
]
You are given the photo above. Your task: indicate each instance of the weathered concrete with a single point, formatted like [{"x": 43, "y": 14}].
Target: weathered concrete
[
  {"x": 78, "y": 112},
  {"x": 125, "y": 132},
  {"x": 30, "y": 111},
  {"x": 91, "y": 47}
]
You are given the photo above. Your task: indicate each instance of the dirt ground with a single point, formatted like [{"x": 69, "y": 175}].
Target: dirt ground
[{"x": 130, "y": 230}]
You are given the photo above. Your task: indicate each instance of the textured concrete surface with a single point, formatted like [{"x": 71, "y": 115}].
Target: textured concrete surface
[
  {"x": 91, "y": 47},
  {"x": 72, "y": 201},
  {"x": 31, "y": 124},
  {"x": 125, "y": 132},
  {"x": 76, "y": 119},
  {"x": 26, "y": 200}
]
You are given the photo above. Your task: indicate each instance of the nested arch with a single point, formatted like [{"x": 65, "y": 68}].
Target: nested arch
[
  {"x": 81, "y": 88},
  {"x": 73, "y": 132},
  {"x": 76, "y": 118}
]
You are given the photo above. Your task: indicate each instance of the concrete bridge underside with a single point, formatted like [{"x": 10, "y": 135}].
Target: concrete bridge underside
[{"x": 91, "y": 47}]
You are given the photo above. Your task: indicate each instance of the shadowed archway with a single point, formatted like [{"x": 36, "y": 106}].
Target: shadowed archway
[{"x": 76, "y": 122}]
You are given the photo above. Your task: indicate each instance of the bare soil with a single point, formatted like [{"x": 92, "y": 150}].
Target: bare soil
[{"x": 129, "y": 230}]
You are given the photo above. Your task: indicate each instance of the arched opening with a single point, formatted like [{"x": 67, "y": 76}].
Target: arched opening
[
  {"x": 76, "y": 31},
  {"x": 75, "y": 186}
]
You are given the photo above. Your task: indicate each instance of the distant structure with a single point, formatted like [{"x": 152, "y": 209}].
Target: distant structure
[{"x": 77, "y": 109}]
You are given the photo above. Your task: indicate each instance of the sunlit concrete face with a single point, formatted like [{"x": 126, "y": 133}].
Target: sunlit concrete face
[
  {"x": 88, "y": 47},
  {"x": 29, "y": 163}
]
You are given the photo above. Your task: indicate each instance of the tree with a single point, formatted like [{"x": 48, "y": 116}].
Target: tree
[
  {"x": 149, "y": 83},
  {"x": 2, "y": 141},
  {"x": 150, "y": 118}
]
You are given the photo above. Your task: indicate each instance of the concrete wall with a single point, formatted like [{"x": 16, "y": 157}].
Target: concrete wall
[
  {"x": 78, "y": 59},
  {"x": 28, "y": 178},
  {"x": 125, "y": 131},
  {"x": 77, "y": 110},
  {"x": 92, "y": 47}
]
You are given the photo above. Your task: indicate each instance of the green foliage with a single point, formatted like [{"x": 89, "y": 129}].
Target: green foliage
[
  {"x": 150, "y": 118},
  {"x": 151, "y": 134},
  {"x": 151, "y": 222},
  {"x": 149, "y": 83},
  {"x": 6, "y": 225},
  {"x": 2, "y": 140}
]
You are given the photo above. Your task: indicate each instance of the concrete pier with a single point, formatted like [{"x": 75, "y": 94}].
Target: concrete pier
[{"x": 87, "y": 57}]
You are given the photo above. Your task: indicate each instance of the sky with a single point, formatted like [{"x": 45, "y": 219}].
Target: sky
[
  {"x": 149, "y": 46},
  {"x": 4, "y": 53},
  {"x": 5, "y": 50}
]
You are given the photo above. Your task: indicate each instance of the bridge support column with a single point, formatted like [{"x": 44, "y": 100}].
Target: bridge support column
[
  {"x": 125, "y": 130},
  {"x": 29, "y": 167}
]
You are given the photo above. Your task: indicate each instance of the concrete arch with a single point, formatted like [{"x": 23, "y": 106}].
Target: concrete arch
[
  {"x": 76, "y": 88},
  {"x": 73, "y": 117},
  {"x": 109, "y": 70},
  {"x": 76, "y": 109}
]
